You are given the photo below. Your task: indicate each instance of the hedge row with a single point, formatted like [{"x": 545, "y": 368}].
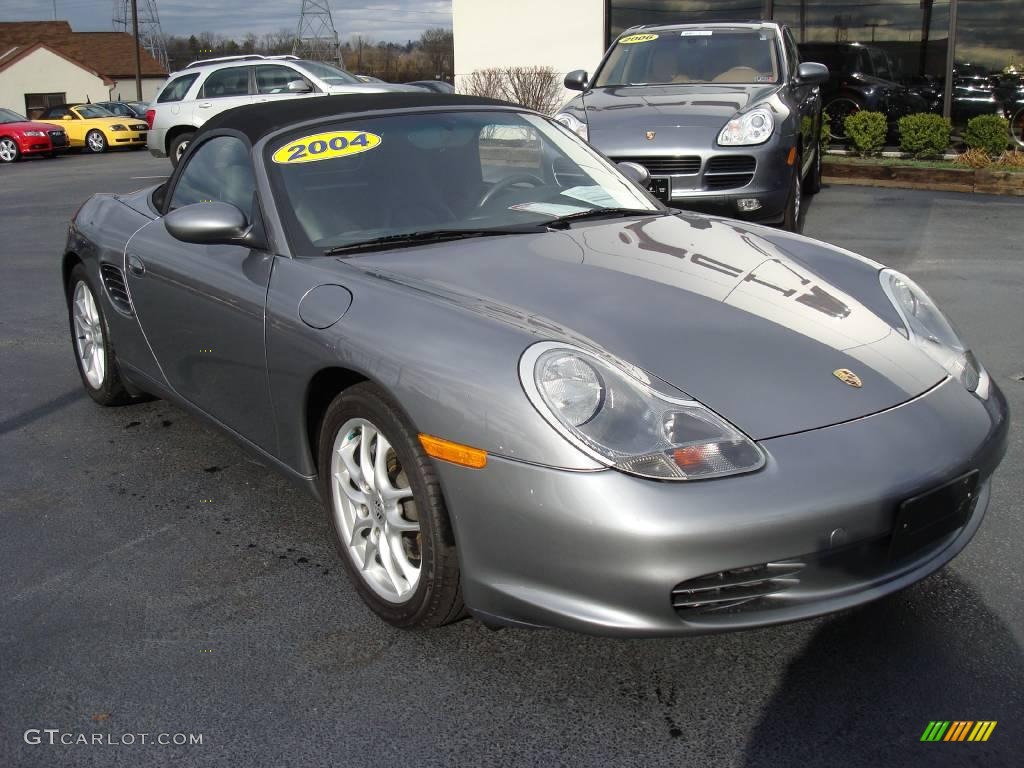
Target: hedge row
[{"x": 926, "y": 135}]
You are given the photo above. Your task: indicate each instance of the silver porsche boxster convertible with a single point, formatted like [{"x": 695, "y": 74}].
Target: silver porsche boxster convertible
[{"x": 522, "y": 387}]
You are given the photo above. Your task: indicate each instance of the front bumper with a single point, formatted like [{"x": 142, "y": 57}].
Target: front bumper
[
  {"x": 601, "y": 552},
  {"x": 721, "y": 181},
  {"x": 126, "y": 138}
]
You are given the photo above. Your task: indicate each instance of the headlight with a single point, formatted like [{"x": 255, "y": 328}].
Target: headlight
[
  {"x": 35, "y": 133},
  {"x": 610, "y": 412},
  {"x": 574, "y": 125},
  {"x": 929, "y": 329},
  {"x": 753, "y": 127},
  {"x": 118, "y": 127}
]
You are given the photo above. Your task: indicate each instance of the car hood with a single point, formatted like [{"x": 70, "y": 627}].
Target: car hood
[
  {"x": 27, "y": 125},
  {"x": 682, "y": 110},
  {"x": 704, "y": 304}
]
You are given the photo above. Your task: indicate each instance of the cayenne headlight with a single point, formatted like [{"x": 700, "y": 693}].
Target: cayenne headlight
[
  {"x": 929, "y": 329},
  {"x": 573, "y": 124},
  {"x": 35, "y": 133},
  {"x": 118, "y": 127},
  {"x": 753, "y": 127},
  {"x": 610, "y": 412}
]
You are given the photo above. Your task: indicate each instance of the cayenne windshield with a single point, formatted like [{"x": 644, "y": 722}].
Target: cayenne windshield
[
  {"x": 718, "y": 55},
  {"x": 440, "y": 173},
  {"x": 7, "y": 116},
  {"x": 327, "y": 73}
]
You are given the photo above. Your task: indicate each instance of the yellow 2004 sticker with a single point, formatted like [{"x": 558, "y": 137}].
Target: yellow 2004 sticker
[
  {"x": 326, "y": 146},
  {"x": 646, "y": 38}
]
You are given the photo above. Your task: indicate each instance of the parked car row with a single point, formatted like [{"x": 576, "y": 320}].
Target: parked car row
[{"x": 71, "y": 127}]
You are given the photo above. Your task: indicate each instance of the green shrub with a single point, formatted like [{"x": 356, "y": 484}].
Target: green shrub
[
  {"x": 988, "y": 132},
  {"x": 867, "y": 131},
  {"x": 924, "y": 135}
]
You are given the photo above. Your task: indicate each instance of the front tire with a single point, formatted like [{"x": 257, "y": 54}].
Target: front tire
[
  {"x": 90, "y": 339},
  {"x": 9, "y": 152},
  {"x": 96, "y": 142},
  {"x": 791, "y": 217},
  {"x": 386, "y": 509}
]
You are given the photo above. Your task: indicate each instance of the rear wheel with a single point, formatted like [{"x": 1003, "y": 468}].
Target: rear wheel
[
  {"x": 178, "y": 146},
  {"x": 9, "y": 151},
  {"x": 1017, "y": 128},
  {"x": 385, "y": 505},
  {"x": 90, "y": 338},
  {"x": 96, "y": 142}
]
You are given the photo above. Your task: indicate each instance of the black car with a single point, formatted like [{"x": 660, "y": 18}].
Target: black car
[
  {"x": 862, "y": 77},
  {"x": 437, "y": 86}
]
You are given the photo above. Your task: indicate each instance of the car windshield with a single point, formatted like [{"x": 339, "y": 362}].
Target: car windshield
[
  {"x": 480, "y": 171},
  {"x": 90, "y": 111},
  {"x": 7, "y": 116},
  {"x": 329, "y": 74},
  {"x": 717, "y": 55}
]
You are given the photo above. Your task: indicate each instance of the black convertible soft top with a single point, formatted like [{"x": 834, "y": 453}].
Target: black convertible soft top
[{"x": 258, "y": 120}]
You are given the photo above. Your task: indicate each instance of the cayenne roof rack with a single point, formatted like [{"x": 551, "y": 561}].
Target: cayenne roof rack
[{"x": 244, "y": 57}]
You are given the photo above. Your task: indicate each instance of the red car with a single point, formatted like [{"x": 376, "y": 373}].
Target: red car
[{"x": 20, "y": 136}]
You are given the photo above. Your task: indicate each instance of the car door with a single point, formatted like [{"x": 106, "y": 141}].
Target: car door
[
  {"x": 272, "y": 83},
  {"x": 223, "y": 89},
  {"x": 202, "y": 306}
]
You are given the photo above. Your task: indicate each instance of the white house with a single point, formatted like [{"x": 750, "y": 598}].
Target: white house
[{"x": 33, "y": 77}]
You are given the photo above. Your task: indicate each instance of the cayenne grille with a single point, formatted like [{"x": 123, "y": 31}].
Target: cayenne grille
[
  {"x": 728, "y": 589},
  {"x": 113, "y": 281},
  {"x": 666, "y": 166},
  {"x": 729, "y": 171}
]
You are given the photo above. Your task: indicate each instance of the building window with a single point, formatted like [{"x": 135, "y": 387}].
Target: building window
[{"x": 37, "y": 103}]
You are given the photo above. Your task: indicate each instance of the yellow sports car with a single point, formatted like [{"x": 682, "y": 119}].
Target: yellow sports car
[{"x": 96, "y": 129}]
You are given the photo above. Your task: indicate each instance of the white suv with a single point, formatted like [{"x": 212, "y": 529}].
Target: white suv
[{"x": 205, "y": 88}]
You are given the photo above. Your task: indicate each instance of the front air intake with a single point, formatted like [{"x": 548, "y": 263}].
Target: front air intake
[{"x": 728, "y": 589}]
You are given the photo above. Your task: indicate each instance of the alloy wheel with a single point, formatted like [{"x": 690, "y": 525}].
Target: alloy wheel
[
  {"x": 838, "y": 110},
  {"x": 89, "y": 341},
  {"x": 8, "y": 150},
  {"x": 375, "y": 512},
  {"x": 180, "y": 150},
  {"x": 96, "y": 141}
]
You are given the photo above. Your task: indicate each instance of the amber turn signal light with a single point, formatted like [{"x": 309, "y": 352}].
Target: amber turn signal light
[{"x": 456, "y": 453}]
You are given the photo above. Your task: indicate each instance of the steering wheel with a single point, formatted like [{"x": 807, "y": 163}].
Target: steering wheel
[{"x": 509, "y": 181}]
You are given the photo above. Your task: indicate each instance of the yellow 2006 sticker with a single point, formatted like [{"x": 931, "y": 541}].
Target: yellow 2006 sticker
[
  {"x": 326, "y": 146},
  {"x": 638, "y": 38}
]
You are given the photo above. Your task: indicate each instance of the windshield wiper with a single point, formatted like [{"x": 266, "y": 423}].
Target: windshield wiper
[
  {"x": 563, "y": 222},
  {"x": 426, "y": 236}
]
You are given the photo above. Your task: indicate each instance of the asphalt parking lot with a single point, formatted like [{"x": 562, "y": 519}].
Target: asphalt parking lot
[{"x": 155, "y": 579}]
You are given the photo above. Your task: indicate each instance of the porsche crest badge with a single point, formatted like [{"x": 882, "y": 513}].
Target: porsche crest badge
[
  {"x": 848, "y": 377},
  {"x": 650, "y": 135}
]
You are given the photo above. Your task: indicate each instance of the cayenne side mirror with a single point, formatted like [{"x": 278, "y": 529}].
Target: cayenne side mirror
[
  {"x": 635, "y": 173},
  {"x": 811, "y": 73},
  {"x": 576, "y": 80},
  {"x": 210, "y": 224},
  {"x": 298, "y": 86}
]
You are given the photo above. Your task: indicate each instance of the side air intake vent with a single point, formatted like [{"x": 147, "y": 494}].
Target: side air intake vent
[
  {"x": 113, "y": 281},
  {"x": 728, "y": 589}
]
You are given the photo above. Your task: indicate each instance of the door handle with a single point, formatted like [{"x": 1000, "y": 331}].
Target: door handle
[
  {"x": 135, "y": 265},
  {"x": 205, "y": 105}
]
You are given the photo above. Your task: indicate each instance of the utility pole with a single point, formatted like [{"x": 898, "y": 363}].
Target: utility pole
[
  {"x": 138, "y": 57},
  {"x": 316, "y": 37}
]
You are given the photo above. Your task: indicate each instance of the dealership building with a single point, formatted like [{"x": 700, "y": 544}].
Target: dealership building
[{"x": 922, "y": 37}]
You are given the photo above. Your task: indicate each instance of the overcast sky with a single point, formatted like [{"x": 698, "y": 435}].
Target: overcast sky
[{"x": 397, "y": 20}]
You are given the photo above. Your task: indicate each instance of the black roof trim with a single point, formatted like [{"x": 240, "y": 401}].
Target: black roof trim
[{"x": 258, "y": 120}]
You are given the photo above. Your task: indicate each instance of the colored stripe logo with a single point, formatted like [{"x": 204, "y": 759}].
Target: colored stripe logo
[{"x": 958, "y": 730}]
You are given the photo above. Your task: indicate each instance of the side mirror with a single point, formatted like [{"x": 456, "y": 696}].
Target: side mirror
[
  {"x": 635, "y": 173},
  {"x": 576, "y": 80},
  {"x": 298, "y": 86},
  {"x": 811, "y": 73},
  {"x": 67, "y": 117},
  {"x": 210, "y": 224}
]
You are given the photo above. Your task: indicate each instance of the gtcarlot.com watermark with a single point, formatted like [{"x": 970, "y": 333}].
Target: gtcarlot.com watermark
[{"x": 55, "y": 736}]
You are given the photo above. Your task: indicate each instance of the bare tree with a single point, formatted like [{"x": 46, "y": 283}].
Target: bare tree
[
  {"x": 438, "y": 45},
  {"x": 535, "y": 88}
]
